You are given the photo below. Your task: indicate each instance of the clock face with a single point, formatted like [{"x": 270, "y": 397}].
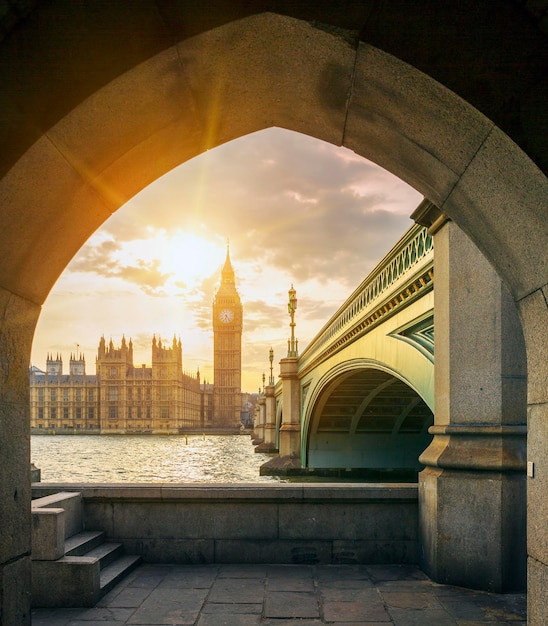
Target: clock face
[{"x": 226, "y": 316}]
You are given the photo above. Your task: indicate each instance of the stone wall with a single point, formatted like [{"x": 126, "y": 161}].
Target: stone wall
[{"x": 267, "y": 523}]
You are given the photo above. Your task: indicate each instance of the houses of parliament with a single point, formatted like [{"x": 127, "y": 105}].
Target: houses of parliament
[{"x": 124, "y": 398}]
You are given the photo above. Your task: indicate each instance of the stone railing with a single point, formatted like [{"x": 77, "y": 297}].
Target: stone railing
[{"x": 405, "y": 271}]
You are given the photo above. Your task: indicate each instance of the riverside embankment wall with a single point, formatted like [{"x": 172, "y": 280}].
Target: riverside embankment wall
[{"x": 255, "y": 523}]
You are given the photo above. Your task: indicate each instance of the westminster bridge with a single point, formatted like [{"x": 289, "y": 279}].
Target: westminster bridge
[
  {"x": 369, "y": 392},
  {"x": 366, "y": 381}
]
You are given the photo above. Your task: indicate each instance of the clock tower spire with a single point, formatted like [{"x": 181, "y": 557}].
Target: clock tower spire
[{"x": 227, "y": 349}]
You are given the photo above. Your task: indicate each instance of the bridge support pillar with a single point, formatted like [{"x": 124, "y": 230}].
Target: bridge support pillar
[
  {"x": 258, "y": 429},
  {"x": 472, "y": 492},
  {"x": 290, "y": 430},
  {"x": 269, "y": 443}
]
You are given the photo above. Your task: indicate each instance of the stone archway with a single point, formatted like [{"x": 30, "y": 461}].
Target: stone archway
[
  {"x": 367, "y": 418},
  {"x": 104, "y": 120}
]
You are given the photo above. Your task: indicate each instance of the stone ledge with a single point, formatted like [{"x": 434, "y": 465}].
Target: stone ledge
[{"x": 258, "y": 492}]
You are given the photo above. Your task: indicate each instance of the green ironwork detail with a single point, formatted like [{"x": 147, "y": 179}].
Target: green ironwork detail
[
  {"x": 420, "y": 335},
  {"x": 413, "y": 247}
]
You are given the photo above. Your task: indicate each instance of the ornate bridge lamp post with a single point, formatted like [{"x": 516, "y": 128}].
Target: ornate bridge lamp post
[
  {"x": 258, "y": 431},
  {"x": 290, "y": 430},
  {"x": 271, "y": 359},
  {"x": 269, "y": 430},
  {"x": 292, "y": 344}
]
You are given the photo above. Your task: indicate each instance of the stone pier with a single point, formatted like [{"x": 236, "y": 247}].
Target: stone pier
[{"x": 472, "y": 493}]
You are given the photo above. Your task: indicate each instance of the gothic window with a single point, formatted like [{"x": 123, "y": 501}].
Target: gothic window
[
  {"x": 78, "y": 412},
  {"x": 164, "y": 412},
  {"x": 113, "y": 394},
  {"x": 53, "y": 395},
  {"x": 65, "y": 395},
  {"x": 91, "y": 413},
  {"x": 91, "y": 395},
  {"x": 65, "y": 413},
  {"x": 53, "y": 413},
  {"x": 78, "y": 395},
  {"x": 40, "y": 395},
  {"x": 40, "y": 412},
  {"x": 112, "y": 412}
]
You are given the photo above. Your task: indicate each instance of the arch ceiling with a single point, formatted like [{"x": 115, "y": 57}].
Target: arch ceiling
[
  {"x": 91, "y": 122},
  {"x": 371, "y": 401},
  {"x": 368, "y": 419}
]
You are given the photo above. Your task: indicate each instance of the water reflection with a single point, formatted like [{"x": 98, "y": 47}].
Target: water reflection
[{"x": 147, "y": 459}]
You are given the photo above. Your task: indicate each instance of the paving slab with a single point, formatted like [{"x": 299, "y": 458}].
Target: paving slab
[
  {"x": 232, "y": 609},
  {"x": 229, "y": 620},
  {"x": 355, "y": 611},
  {"x": 291, "y": 604},
  {"x": 289, "y": 595}
]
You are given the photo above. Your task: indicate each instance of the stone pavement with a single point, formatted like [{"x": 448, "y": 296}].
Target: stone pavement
[{"x": 289, "y": 595}]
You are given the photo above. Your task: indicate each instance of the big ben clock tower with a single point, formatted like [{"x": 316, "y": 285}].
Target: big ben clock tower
[{"x": 227, "y": 350}]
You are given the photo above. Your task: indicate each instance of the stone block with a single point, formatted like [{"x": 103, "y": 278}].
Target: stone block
[
  {"x": 472, "y": 528},
  {"x": 404, "y": 118},
  {"x": 48, "y": 534},
  {"x": 67, "y": 582},
  {"x": 537, "y": 486},
  {"x": 537, "y": 584},
  {"x": 15, "y": 592},
  {"x": 476, "y": 325},
  {"x": 174, "y": 550},
  {"x": 394, "y": 551},
  {"x": 17, "y": 320},
  {"x": 49, "y": 233},
  {"x": 253, "y": 53},
  {"x": 348, "y": 521},
  {"x": 495, "y": 215},
  {"x": 534, "y": 314},
  {"x": 295, "y": 552},
  {"x": 71, "y": 503},
  {"x": 200, "y": 520}
]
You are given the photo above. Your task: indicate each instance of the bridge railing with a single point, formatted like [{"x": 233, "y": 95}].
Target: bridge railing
[{"x": 409, "y": 258}]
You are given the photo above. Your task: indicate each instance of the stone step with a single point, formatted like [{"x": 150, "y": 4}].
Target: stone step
[
  {"x": 117, "y": 570},
  {"x": 83, "y": 542},
  {"x": 107, "y": 553}
]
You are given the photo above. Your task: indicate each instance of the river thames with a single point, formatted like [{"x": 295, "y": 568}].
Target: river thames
[{"x": 147, "y": 459}]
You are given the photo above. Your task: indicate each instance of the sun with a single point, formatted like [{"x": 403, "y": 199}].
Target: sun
[{"x": 188, "y": 258}]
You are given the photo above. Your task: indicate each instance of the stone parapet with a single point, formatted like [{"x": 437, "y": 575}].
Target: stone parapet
[{"x": 256, "y": 523}]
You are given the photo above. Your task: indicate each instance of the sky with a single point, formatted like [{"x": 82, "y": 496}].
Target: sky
[{"x": 295, "y": 211}]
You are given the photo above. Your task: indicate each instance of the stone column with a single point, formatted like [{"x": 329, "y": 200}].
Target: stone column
[
  {"x": 269, "y": 429},
  {"x": 290, "y": 430},
  {"x": 17, "y": 321},
  {"x": 270, "y": 419},
  {"x": 258, "y": 430},
  {"x": 472, "y": 494}
]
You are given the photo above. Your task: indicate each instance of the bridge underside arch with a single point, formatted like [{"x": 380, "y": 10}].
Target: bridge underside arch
[{"x": 368, "y": 419}]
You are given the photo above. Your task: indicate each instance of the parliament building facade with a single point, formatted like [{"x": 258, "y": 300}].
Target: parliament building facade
[{"x": 124, "y": 398}]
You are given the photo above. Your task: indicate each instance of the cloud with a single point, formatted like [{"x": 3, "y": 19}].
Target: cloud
[
  {"x": 295, "y": 210},
  {"x": 102, "y": 260},
  {"x": 285, "y": 199}
]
